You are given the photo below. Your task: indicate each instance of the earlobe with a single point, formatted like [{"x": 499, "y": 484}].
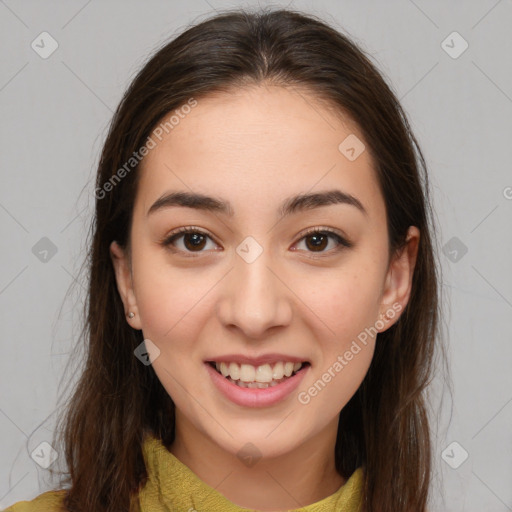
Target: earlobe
[
  {"x": 124, "y": 284},
  {"x": 397, "y": 288}
]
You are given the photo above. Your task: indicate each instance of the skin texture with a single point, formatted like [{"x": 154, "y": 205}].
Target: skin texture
[{"x": 255, "y": 148}]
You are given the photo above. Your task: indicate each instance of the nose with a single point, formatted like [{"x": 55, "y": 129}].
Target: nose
[{"x": 254, "y": 298}]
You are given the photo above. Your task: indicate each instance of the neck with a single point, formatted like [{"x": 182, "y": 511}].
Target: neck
[{"x": 295, "y": 479}]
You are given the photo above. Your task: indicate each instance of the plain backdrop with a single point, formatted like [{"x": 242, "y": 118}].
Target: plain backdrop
[{"x": 449, "y": 64}]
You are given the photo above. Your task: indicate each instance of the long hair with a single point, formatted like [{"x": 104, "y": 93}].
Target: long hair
[{"x": 385, "y": 427}]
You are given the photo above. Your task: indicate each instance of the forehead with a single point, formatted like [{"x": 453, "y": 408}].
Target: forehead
[{"x": 259, "y": 144}]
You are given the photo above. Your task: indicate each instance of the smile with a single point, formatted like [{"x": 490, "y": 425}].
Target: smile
[
  {"x": 263, "y": 376},
  {"x": 256, "y": 386}
]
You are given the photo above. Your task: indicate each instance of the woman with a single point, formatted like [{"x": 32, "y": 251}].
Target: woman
[{"x": 263, "y": 301}]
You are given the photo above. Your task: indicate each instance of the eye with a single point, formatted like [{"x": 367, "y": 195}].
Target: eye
[
  {"x": 317, "y": 239},
  {"x": 192, "y": 240}
]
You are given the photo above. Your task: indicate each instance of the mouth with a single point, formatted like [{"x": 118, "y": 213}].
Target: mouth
[
  {"x": 251, "y": 386},
  {"x": 260, "y": 377}
]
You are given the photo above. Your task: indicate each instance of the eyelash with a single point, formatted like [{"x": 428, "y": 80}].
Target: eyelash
[{"x": 343, "y": 243}]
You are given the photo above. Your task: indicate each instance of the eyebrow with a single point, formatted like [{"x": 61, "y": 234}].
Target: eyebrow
[{"x": 294, "y": 204}]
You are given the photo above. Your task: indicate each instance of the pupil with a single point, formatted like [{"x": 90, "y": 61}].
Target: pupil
[
  {"x": 196, "y": 238},
  {"x": 318, "y": 243}
]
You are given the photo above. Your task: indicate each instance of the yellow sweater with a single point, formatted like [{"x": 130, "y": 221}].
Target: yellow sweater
[{"x": 172, "y": 486}]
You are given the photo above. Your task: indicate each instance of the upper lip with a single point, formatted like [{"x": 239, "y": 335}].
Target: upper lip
[{"x": 256, "y": 361}]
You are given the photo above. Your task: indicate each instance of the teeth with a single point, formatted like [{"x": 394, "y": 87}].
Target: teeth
[
  {"x": 234, "y": 371},
  {"x": 288, "y": 369},
  {"x": 224, "y": 369},
  {"x": 264, "y": 373},
  {"x": 261, "y": 376},
  {"x": 247, "y": 373},
  {"x": 278, "y": 371},
  {"x": 260, "y": 385}
]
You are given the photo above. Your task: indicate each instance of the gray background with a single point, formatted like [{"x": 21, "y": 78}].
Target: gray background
[{"x": 54, "y": 116}]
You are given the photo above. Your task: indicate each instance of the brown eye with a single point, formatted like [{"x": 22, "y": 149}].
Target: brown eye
[
  {"x": 317, "y": 241},
  {"x": 194, "y": 241},
  {"x": 187, "y": 240}
]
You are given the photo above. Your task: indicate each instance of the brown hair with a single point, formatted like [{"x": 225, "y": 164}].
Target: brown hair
[{"x": 384, "y": 428}]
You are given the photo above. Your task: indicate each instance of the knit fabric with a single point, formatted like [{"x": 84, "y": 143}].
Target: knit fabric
[{"x": 173, "y": 487}]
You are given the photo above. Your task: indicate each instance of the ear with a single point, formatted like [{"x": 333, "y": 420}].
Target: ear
[
  {"x": 124, "y": 283},
  {"x": 398, "y": 284}
]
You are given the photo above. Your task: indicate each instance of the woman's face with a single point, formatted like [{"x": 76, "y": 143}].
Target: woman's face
[{"x": 254, "y": 283}]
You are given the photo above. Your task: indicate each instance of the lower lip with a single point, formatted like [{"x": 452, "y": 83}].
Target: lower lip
[{"x": 256, "y": 397}]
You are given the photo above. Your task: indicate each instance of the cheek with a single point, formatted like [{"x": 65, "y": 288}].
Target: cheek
[
  {"x": 346, "y": 301},
  {"x": 171, "y": 304},
  {"x": 348, "y": 304},
  {"x": 349, "y": 307},
  {"x": 168, "y": 299}
]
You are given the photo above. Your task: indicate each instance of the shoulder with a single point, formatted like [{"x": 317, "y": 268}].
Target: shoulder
[{"x": 50, "y": 501}]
